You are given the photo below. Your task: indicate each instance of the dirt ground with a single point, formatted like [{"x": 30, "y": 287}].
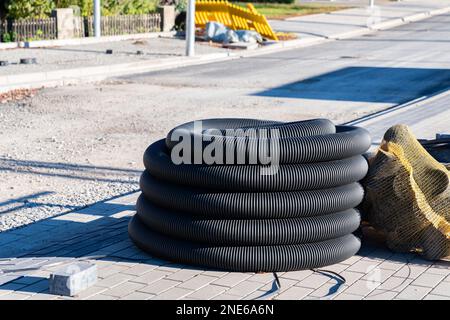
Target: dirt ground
[{"x": 66, "y": 148}]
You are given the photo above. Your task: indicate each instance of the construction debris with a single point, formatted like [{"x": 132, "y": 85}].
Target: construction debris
[
  {"x": 233, "y": 16},
  {"x": 408, "y": 196},
  {"x": 17, "y": 95},
  {"x": 217, "y": 32}
]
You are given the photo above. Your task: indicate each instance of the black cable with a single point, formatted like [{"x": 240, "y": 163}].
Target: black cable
[
  {"x": 277, "y": 280},
  {"x": 327, "y": 272}
]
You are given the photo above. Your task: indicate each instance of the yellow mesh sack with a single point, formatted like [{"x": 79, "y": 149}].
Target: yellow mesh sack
[{"x": 408, "y": 196}]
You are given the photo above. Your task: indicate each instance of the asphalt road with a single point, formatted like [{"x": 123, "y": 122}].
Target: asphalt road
[
  {"x": 342, "y": 79},
  {"x": 72, "y": 146}
]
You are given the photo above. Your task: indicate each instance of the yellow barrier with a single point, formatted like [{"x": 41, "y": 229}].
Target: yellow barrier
[{"x": 232, "y": 16}]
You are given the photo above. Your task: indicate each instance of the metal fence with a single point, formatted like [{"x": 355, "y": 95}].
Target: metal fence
[
  {"x": 46, "y": 29},
  {"x": 126, "y": 24},
  {"x": 28, "y": 29}
]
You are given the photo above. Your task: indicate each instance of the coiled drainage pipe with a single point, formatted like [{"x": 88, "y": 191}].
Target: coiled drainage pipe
[{"x": 230, "y": 216}]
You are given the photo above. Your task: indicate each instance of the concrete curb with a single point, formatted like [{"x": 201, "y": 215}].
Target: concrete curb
[
  {"x": 9, "y": 45},
  {"x": 81, "y": 41},
  {"x": 91, "y": 40},
  {"x": 90, "y": 74}
]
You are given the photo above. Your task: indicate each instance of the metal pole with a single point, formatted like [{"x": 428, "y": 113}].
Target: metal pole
[
  {"x": 190, "y": 28},
  {"x": 97, "y": 14},
  {"x": 372, "y": 3}
]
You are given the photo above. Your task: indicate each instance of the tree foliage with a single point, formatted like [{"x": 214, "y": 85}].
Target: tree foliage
[
  {"x": 29, "y": 8},
  {"x": 42, "y": 8}
]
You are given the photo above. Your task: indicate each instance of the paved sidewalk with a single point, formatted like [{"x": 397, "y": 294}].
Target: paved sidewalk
[
  {"x": 350, "y": 22},
  {"x": 85, "y": 63},
  {"x": 99, "y": 234}
]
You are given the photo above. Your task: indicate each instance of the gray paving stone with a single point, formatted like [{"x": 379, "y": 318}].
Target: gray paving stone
[
  {"x": 362, "y": 287},
  {"x": 197, "y": 282},
  {"x": 15, "y": 296},
  {"x": 139, "y": 269},
  {"x": 90, "y": 292},
  {"x": 10, "y": 287},
  {"x": 442, "y": 289},
  {"x": 435, "y": 297},
  {"x": 184, "y": 274},
  {"x": 151, "y": 277},
  {"x": 363, "y": 266},
  {"x": 114, "y": 280},
  {"x": 413, "y": 293},
  {"x": 445, "y": 271},
  {"x": 402, "y": 258},
  {"x": 378, "y": 255},
  {"x": 155, "y": 278},
  {"x": 232, "y": 279},
  {"x": 297, "y": 275},
  {"x": 285, "y": 284},
  {"x": 352, "y": 260},
  {"x": 314, "y": 281},
  {"x": 6, "y": 278},
  {"x": 159, "y": 286},
  {"x": 410, "y": 271},
  {"x": 378, "y": 275},
  {"x": 42, "y": 296},
  {"x": 328, "y": 290},
  {"x": 294, "y": 293},
  {"x": 123, "y": 214},
  {"x": 77, "y": 217},
  {"x": 9, "y": 237},
  {"x": 225, "y": 296},
  {"x": 171, "y": 267},
  {"x": 338, "y": 267},
  {"x": 124, "y": 262},
  {"x": 350, "y": 276},
  {"x": 72, "y": 279},
  {"x": 262, "y": 277},
  {"x": 395, "y": 284},
  {"x": 37, "y": 287},
  {"x": 258, "y": 295},
  {"x": 418, "y": 261},
  {"x": 347, "y": 296},
  {"x": 172, "y": 294},
  {"x": 244, "y": 288},
  {"x": 138, "y": 296},
  {"x": 124, "y": 289},
  {"x": 207, "y": 292},
  {"x": 428, "y": 280},
  {"x": 215, "y": 273},
  {"x": 378, "y": 294},
  {"x": 101, "y": 297},
  {"x": 110, "y": 270}
]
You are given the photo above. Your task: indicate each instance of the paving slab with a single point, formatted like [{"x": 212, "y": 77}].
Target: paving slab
[{"x": 144, "y": 279}]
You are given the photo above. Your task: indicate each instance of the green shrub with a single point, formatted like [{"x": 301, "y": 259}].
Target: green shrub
[
  {"x": 29, "y": 8},
  {"x": 8, "y": 37},
  {"x": 42, "y": 8},
  {"x": 181, "y": 5}
]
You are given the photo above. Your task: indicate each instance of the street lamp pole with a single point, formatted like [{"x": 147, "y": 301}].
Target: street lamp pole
[
  {"x": 190, "y": 28},
  {"x": 97, "y": 32}
]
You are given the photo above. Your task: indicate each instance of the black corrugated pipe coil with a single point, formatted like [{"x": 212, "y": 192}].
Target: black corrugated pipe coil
[{"x": 230, "y": 216}]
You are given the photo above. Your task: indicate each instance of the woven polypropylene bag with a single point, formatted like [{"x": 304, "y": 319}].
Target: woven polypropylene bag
[{"x": 408, "y": 196}]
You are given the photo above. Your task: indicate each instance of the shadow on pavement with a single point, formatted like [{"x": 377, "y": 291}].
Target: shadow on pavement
[
  {"x": 366, "y": 84},
  {"x": 99, "y": 234}
]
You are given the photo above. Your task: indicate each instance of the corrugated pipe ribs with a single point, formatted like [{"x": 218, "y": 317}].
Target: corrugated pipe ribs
[{"x": 252, "y": 195}]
